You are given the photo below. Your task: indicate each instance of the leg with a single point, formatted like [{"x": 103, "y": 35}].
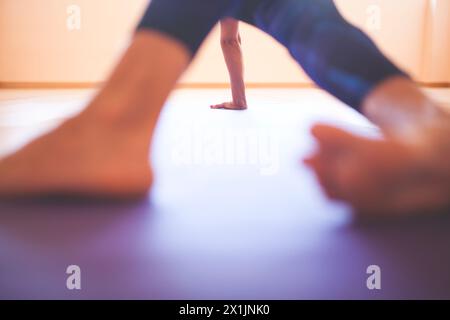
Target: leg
[
  {"x": 342, "y": 60},
  {"x": 406, "y": 173},
  {"x": 231, "y": 48},
  {"x": 104, "y": 151}
]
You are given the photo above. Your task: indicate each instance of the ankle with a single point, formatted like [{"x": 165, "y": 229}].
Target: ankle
[{"x": 399, "y": 107}]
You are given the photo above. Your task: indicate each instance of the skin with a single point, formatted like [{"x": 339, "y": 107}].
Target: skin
[
  {"x": 104, "y": 151},
  {"x": 405, "y": 173},
  {"x": 380, "y": 178},
  {"x": 231, "y": 48}
]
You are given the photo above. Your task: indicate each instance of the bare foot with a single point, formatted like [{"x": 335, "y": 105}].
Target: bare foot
[
  {"x": 83, "y": 157},
  {"x": 384, "y": 177},
  {"x": 229, "y": 106},
  {"x": 104, "y": 151}
]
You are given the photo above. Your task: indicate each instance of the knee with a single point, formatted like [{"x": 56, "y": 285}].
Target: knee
[
  {"x": 303, "y": 17},
  {"x": 313, "y": 14}
]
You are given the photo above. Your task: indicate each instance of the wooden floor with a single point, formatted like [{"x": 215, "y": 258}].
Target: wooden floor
[{"x": 232, "y": 215}]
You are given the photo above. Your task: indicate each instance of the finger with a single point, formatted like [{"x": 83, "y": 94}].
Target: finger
[
  {"x": 324, "y": 132},
  {"x": 336, "y": 138}
]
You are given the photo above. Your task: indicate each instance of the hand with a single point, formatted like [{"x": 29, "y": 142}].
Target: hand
[{"x": 229, "y": 106}]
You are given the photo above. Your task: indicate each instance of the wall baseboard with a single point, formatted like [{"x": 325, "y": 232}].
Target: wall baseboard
[
  {"x": 49, "y": 85},
  {"x": 91, "y": 85},
  {"x": 434, "y": 84}
]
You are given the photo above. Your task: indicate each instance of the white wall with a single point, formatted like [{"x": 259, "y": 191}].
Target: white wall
[
  {"x": 36, "y": 46},
  {"x": 436, "y": 57}
]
